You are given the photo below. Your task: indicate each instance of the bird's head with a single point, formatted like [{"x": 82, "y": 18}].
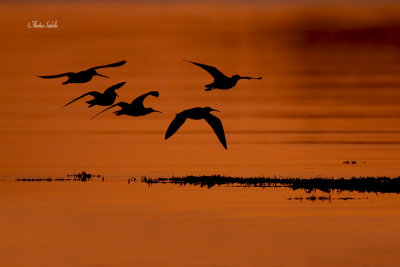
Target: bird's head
[
  {"x": 208, "y": 109},
  {"x": 236, "y": 77}
]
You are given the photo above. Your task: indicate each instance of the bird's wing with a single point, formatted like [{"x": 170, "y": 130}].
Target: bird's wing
[
  {"x": 56, "y": 76},
  {"x": 121, "y": 104},
  {"x": 117, "y": 64},
  {"x": 175, "y": 125},
  {"x": 216, "y": 124},
  {"x": 138, "y": 102},
  {"x": 92, "y": 93},
  {"x": 114, "y": 87},
  {"x": 210, "y": 69}
]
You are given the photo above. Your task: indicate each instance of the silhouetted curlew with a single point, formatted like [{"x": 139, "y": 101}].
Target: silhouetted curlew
[
  {"x": 220, "y": 80},
  {"x": 102, "y": 99},
  {"x": 198, "y": 114},
  {"x": 135, "y": 108},
  {"x": 83, "y": 76}
]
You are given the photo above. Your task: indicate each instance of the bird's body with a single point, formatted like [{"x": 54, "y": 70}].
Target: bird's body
[
  {"x": 101, "y": 99},
  {"x": 221, "y": 81},
  {"x": 83, "y": 76},
  {"x": 198, "y": 114},
  {"x": 135, "y": 109}
]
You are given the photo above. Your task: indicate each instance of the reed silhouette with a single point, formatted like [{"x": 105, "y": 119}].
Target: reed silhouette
[
  {"x": 82, "y": 176},
  {"x": 220, "y": 80},
  {"x": 314, "y": 198},
  {"x": 83, "y": 76},
  {"x": 198, "y": 114},
  {"x": 358, "y": 184},
  {"x": 101, "y": 99},
  {"x": 136, "y": 108}
]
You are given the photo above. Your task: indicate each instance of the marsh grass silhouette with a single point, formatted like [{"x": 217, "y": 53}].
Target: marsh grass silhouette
[
  {"x": 357, "y": 184},
  {"x": 81, "y": 176},
  {"x": 329, "y": 198}
]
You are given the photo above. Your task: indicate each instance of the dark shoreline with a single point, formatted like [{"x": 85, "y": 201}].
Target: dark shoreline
[{"x": 357, "y": 184}]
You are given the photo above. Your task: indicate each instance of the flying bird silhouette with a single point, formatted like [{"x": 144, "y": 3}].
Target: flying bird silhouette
[
  {"x": 83, "y": 76},
  {"x": 102, "y": 99},
  {"x": 135, "y": 108},
  {"x": 198, "y": 114},
  {"x": 220, "y": 80}
]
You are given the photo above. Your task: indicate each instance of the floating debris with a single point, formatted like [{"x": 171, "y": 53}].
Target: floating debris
[{"x": 353, "y": 162}]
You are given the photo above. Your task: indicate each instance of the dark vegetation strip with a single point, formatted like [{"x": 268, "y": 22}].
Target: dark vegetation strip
[{"x": 358, "y": 184}]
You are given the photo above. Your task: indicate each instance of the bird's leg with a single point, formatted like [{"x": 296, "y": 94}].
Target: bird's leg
[
  {"x": 210, "y": 86},
  {"x": 91, "y": 103}
]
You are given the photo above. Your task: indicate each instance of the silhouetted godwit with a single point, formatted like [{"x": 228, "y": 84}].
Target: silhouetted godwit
[
  {"x": 198, "y": 114},
  {"x": 220, "y": 80},
  {"x": 102, "y": 99},
  {"x": 135, "y": 108},
  {"x": 83, "y": 76}
]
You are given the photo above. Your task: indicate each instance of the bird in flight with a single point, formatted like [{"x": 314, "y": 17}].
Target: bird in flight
[
  {"x": 220, "y": 80},
  {"x": 102, "y": 99},
  {"x": 85, "y": 75},
  {"x": 198, "y": 114},
  {"x": 135, "y": 108}
]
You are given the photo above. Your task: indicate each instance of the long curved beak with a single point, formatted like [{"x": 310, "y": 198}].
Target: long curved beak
[
  {"x": 215, "y": 110},
  {"x": 251, "y": 78},
  {"x": 157, "y": 111},
  {"x": 102, "y": 75}
]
